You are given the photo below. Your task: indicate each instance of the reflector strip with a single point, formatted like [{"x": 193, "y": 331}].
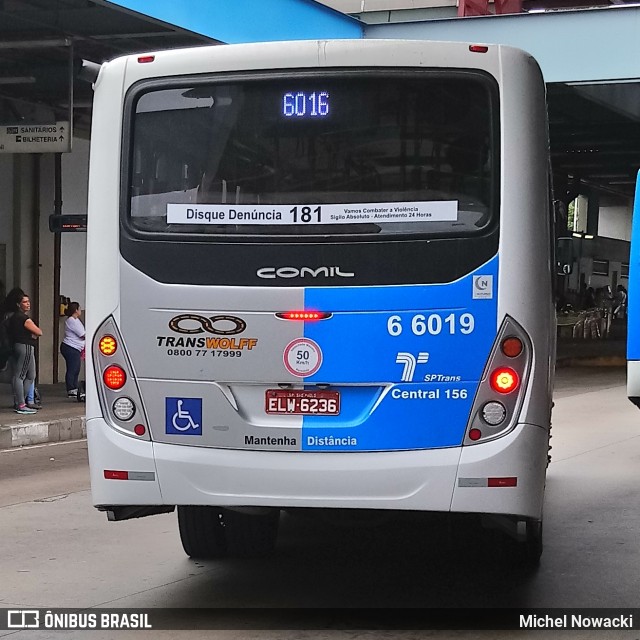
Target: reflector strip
[
  {"x": 472, "y": 482},
  {"x": 129, "y": 475},
  {"x": 116, "y": 475},
  {"x": 488, "y": 482},
  {"x": 502, "y": 482},
  {"x": 142, "y": 475}
]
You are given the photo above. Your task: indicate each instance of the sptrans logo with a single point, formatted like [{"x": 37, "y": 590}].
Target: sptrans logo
[{"x": 408, "y": 362}]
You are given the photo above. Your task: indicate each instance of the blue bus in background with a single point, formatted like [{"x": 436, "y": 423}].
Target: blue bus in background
[{"x": 633, "y": 305}]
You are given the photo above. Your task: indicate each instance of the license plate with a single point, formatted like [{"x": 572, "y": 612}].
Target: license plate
[{"x": 302, "y": 402}]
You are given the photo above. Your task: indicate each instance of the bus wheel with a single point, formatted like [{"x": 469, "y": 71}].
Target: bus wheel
[
  {"x": 202, "y": 532},
  {"x": 250, "y": 535}
]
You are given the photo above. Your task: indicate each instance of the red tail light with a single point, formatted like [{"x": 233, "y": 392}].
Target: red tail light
[
  {"x": 114, "y": 377},
  {"x": 512, "y": 347},
  {"x": 499, "y": 397},
  {"x": 504, "y": 380},
  {"x": 308, "y": 316},
  {"x": 118, "y": 394}
]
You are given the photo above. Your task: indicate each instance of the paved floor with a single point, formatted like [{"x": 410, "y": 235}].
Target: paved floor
[
  {"x": 591, "y": 352},
  {"x": 55, "y": 404},
  {"x": 59, "y": 551},
  {"x": 61, "y": 418}
]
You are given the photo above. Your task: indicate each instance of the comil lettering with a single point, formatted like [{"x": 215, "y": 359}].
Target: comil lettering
[{"x": 302, "y": 272}]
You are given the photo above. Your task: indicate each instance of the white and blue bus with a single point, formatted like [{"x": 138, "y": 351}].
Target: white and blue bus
[
  {"x": 320, "y": 277},
  {"x": 633, "y": 305}
]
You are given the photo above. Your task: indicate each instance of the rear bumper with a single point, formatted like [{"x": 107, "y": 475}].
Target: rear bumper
[{"x": 425, "y": 480}]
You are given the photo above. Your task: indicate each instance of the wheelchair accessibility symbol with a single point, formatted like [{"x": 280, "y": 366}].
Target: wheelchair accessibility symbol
[{"x": 184, "y": 416}]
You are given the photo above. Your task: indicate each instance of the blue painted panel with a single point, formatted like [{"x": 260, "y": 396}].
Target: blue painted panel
[
  {"x": 633, "y": 300},
  {"x": 424, "y": 347},
  {"x": 234, "y": 21},
  {"x": 603, "y": 45}
]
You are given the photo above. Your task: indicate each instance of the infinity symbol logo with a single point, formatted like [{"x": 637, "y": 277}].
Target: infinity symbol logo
[{"x": 207, "y": 324}]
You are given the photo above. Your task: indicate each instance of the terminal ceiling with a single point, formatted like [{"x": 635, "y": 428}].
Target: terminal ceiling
[
  {"x": 594, "y": 129},
  {"x": 38, "y": 37}
]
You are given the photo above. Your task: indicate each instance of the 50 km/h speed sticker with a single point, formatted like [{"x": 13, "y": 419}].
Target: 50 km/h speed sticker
[{"x": 302, "y": 357}]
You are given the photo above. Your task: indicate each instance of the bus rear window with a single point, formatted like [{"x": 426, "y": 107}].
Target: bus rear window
[{"x": 326, "y": 155}]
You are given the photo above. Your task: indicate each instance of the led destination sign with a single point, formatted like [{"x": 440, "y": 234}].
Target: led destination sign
[{"x": 303, "y": 104}]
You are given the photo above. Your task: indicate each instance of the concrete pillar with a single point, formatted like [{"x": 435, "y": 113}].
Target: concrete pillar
[
  {"x": 49, "y": 308},
  {"x": 6, "y": 223},
  {"x": 25, "y": 198},
  {"x": 29, "y": 261}
]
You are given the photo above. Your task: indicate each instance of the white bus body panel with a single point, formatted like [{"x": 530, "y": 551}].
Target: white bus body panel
[
  {"x": 407, "y": 480},
  {"x": 633, "y": 378}
]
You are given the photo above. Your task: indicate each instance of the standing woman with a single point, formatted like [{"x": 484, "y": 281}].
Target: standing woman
[
  {"x": 72, "y": 347},
  {"x": 24, "y": 332}
]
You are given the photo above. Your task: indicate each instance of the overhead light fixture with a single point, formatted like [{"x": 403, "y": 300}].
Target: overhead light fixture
[
  {"x": 35, "y": 44},
  {"x": 18, "y": 80}
]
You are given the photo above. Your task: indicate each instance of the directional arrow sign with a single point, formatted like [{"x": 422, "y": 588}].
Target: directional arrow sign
[{"x": 35, "y": 138}]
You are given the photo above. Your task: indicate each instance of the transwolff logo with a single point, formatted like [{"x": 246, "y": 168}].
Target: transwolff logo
[{"x": 302, "y": 272}]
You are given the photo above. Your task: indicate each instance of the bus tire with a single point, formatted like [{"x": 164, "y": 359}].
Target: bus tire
[
  {"x": 521, "y": 552},
  {"x": 202, "y": 532},
  {"x": 530, "y": 550},
  {"x": 250, "y": 535}
]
